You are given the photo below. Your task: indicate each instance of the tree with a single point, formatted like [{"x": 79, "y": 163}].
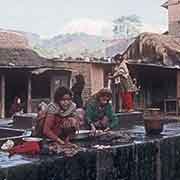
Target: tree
[{"x": 127, "y": 26}]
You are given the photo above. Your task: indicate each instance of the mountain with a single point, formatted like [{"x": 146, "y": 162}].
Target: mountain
[
  {"x": 65, "y": 45},
  {"x": 69, "y": 45}
]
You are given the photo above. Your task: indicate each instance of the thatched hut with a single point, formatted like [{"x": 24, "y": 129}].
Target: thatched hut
[{"x": 154, "y": 60}]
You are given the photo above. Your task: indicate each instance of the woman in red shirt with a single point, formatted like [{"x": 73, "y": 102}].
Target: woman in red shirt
[{"x": 61, "y": 120}]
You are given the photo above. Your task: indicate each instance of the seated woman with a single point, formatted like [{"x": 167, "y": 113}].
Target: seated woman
[
  {"x": 61, "y": 121},
  {"x": 16, "y": 107},
  {"x": 99, "y": 113}
]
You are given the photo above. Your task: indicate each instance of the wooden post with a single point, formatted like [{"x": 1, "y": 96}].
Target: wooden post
[
  {"x": 52, "y": 89},
  {"x": 29, "y": 99},
  {"x": 2, "y": 96},
  {"x": 177, "y": 90},
  {"x": 178, "y": 84}
]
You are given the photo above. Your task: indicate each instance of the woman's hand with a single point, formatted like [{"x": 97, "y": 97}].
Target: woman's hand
[
  {"x": 107, "y": 129},
  {"x": 60, "y": 141},
  {"x": 93, "y": 130}
]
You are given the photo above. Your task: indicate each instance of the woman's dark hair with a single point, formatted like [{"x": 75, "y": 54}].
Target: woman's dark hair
[
  {"x": 118, "y": 57},
  {"x": 60, "y": 92},
  {"x": 80, "y": 79}
]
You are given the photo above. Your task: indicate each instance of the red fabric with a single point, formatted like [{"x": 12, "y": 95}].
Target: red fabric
[
  {"x": 26, "y": 148},
  {"x": 52, "y": 127},
  {"x": 127, "y": 100},
  {"x": 55, "y": 125}
]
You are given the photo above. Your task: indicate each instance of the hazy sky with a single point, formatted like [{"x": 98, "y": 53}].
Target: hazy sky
[{"x": 51, "y": 17}]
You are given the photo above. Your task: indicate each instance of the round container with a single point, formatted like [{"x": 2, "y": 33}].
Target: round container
[
  {"x": 152, "y": 121},
  {"x": 153, "y": 126}
]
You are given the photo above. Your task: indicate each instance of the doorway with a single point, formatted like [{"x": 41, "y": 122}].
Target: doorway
[{"x": 16, "y": 86}]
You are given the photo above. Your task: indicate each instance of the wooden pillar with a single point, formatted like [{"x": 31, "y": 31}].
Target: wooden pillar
[
  {"x": 52, "y": 89},
  {"x": 2, "y": 96},
  {"x": 29, "y": 99},
  {"x": 178, "y": 84}
]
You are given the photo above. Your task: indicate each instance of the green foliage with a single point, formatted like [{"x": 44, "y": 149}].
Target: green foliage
[{"x": 127, "y": 26}]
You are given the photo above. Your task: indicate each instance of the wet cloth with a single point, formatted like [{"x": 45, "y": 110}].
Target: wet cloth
[
  {"x": 31, "y": 148},
  {"x": 66, "y": 150},
  {"x": 95, "y": 112}
]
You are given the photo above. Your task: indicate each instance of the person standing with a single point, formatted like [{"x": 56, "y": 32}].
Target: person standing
[
  {"x": 77, "y": 89},
  {"x": 123, "y": 79}
]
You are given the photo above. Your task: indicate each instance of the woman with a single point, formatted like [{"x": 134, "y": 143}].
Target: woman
[
  {"x": 99, "y": 113},
  {"x": 77, "y": 90},
  {"x": 123, "y": 79},
  {"x": 61, "y": 121},
  {"x": 17, "y": 106}
]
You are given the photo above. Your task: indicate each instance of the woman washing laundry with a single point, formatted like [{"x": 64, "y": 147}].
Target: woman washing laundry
[
  {"x": 61, "y": 120},
  {"x": 99, "y": 113}
]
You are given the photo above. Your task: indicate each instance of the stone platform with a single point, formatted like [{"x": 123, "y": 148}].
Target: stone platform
[{"x": 147, "y": 158}]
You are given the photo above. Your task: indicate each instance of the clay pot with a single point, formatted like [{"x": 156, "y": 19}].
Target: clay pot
[{"x": 153, "y": 125}]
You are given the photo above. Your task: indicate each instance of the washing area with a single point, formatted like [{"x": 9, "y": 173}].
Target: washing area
[{"x": 134, "y": 155}]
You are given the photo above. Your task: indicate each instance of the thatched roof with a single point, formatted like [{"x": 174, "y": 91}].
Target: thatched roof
[
  {"x": 155, "y": 48},
  {"x": 15, "y": 52},
  {"x": 21, "y": 58}
]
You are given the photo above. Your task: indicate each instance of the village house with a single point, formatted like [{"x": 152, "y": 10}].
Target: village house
[
  {"x": 154, "y": 60},
  {"x": 34, "y": 79},
  {"x": 95, "y": 73},
  {"x": 25, "y": 74}
]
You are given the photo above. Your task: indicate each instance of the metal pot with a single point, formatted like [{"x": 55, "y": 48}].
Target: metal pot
[{"x": 82, "y": 134}]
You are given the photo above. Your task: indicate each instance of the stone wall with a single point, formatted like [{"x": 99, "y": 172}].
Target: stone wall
[{"x": 157, "y": 159}]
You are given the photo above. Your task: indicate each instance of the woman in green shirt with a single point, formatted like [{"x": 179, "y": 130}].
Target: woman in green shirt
[{"x": 99, "y": 113}]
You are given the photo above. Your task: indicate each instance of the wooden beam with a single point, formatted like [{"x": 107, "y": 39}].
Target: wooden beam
[
  {"x": 29, "y": 99},
  {"x": 178, "y": 84},
  {"x": 2, "y": 96},
  {"x": 52, "y": 89}
]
